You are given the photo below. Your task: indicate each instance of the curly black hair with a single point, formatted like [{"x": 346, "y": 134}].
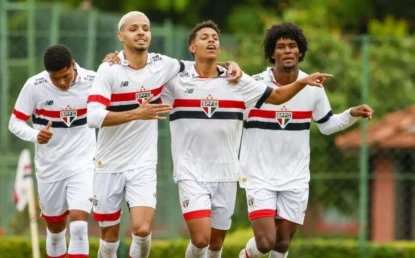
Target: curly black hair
[
  {"x": 206, "y": 24},
  {"x": 57, "y": 57},
  {"x": 287, "y": 30}
]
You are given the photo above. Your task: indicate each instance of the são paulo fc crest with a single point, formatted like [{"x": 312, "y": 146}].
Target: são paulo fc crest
[
  {"x": 68, "y": 115},
  {"x": 185, "y": 202},
  {"x": 283, "y": 117},
  {"x": 250, "y": 201},
  {"x": 142, "y": 95},
  {"x": 209, "y": 105}
]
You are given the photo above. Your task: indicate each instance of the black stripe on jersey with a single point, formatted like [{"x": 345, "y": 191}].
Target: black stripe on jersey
[
  {"x": 181, "y": 66},
  {"x": 264, "y": 97},
  {"x": 325, "y": 118},
  {"x": 201, "y": 115},
  {"x": 121, "y": 108},
  {"x": 58, "y": 124},
  {"x": 276, "y": 126}
]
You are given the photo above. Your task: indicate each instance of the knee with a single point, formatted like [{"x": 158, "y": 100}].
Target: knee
[
  {"x": 109, "y": 234},
  {"x": 265, "y": 243},
  {"x": 142, "y": 230},
  {"x": 201, "y": 241},
  {"x": 282, "y": 245},
  {"x": 78, "y": 230}
]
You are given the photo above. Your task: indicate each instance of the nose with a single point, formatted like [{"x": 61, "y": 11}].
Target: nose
[
  {"x": 61, "y": 82},
  {"x": 287, "y": 49}
]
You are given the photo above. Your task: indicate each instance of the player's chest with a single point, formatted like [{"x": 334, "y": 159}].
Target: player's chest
[
  {"x": 49, "y": 98},
  {"x": 135, "y": 81},
  {"x": 206, "y": 90}
]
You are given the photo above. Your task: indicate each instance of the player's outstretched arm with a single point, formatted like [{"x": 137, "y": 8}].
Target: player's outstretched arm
[{"x": 283, "y": 94}]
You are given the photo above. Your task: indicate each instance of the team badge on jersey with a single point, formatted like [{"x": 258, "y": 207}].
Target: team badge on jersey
[
  {"x": 142, "y": 95},
  {"x": 283, "y": 117},
  {"x": 68, "y": 115},
  {"x": 209, "y": 105}
]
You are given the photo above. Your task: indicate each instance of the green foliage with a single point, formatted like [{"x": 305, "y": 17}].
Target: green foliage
[{"x": 304, "y": 248}]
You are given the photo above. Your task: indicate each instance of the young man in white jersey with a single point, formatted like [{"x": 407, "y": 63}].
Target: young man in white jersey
[
  {"x": 56, "y": 99},
  {"x": 206, "y": 127},
  {"x": 123, "y": 104},
  {"x": 275, "y": 151}
]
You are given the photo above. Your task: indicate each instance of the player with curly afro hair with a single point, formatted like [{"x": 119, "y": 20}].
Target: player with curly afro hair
[{"x": 275, "y": 173}]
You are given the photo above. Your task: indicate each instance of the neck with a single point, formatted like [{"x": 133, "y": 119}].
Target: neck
[
  {"x": 136, "y": 59},
  {"x": 283, "y": 77},
  {"x": 206, "y": 68}
]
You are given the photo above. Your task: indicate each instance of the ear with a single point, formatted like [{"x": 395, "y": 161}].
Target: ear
[
  {"x": 192, "y": 48},
  {"x": 119, "y": 35},
  {"x": 73, "y": 63},
  {"x": 301, "y": 54}
]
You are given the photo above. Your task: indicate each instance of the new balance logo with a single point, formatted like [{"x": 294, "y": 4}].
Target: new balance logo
[
  {"x": 124, "y": 84},
  {"x": 189, "y": 91},
  {"x": 49, "y": 103}
]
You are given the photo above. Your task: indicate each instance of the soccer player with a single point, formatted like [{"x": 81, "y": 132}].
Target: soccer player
[
  {"x": 123, "y": 103},
  {"x": 206, "y": 127},
  {"x": 56, "y": 99},
  {"x": 275, "y": 151}
]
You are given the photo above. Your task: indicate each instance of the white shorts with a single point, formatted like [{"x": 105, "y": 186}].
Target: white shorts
[
  {"x": 208, "y": 199},
  {"x": 289, "y": 205},
  {"x": 138, "y": 185},
  {"x": 72, "y": 193}
]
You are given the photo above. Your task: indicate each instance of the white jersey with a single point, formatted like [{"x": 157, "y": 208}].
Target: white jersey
[
  {"x": 275, "y": 151},
  {"x": 206, "y": 123},
  {"x": 72, "y": 147},
  {"x": 122, "y": 88}
]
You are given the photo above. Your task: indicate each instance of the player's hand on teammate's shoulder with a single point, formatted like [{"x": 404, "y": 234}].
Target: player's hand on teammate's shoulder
[
  {"x": 315, "y": 79},
  {"x": 362, "y": 111},
  {"x": 112, "y": 58},
  {"x": 44, "y": 135},
  {"x": 149, "y": 111},
  {"x": 234, "y": 71}
]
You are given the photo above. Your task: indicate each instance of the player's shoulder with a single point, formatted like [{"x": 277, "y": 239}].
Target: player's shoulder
[
  {"x": 38, "y": 79},
  {"x": 261, "y": 76},
  {"x": 86, "y": 75},
  {"x": 246, "y": 79},
  {"x": 159, "y": 59}
]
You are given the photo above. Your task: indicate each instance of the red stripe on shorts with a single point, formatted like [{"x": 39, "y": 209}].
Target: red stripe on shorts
[
  {"x": 107, "y": 217},
  {"x": 55, "y": 218},
  {"x": 262, "y": 214},
  {"x": 77, "y": 256},
  {"x": 196, "y": 214}
]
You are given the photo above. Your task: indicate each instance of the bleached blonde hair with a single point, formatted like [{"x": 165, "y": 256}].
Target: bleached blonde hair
[{"x": 131, "y": 15}]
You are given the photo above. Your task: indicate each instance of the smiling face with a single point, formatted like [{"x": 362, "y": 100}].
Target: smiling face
[
  {"x": 135, "y": 33},
  {"x": 206, "y": 44},
  {"x": 286, "y": 54}
]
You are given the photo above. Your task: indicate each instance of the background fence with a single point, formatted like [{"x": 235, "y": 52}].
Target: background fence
[{"x": 362, "y": 179}]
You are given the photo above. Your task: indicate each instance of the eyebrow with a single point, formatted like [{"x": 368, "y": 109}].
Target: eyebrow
[{"x": 59, "y": 77}]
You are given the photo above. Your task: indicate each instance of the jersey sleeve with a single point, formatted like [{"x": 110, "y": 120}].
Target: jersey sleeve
[
  {"x": 167, "y": 95},
  {"x": 322, "y": 109},
  {"x": 254, "y": 92},
  {"x": 173, "y": 67},
  {"x": 23, "y": 109},
  {"x": 99, "y": 98}
]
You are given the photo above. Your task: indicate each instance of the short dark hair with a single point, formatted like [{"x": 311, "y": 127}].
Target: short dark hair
[
  {"x": 286, "y": 30},
  {"x": 57, "y": 57},
  {"x": 206, "y": 24}
]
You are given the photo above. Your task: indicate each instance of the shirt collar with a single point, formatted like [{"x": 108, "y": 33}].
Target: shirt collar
[
  {"x": 222, "y": 72},
  {"x": 125, "y": 62}
]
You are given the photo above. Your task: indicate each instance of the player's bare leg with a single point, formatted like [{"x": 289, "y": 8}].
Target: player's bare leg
[
  {"x": 200, "y": 232},
  {"x": 109, "y": 241},
  {"x": 264, "y": 238},
  {"x": 55, "y": 238},
  {"x": 217, "y": 237},
  {"x": 141, "y": 221},
  {"x": 78, "y": 231},
  {"x": 285, "y": 232}
]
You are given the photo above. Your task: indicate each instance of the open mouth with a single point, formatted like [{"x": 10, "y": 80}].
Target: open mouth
[{"x": 211, "y": 47}]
